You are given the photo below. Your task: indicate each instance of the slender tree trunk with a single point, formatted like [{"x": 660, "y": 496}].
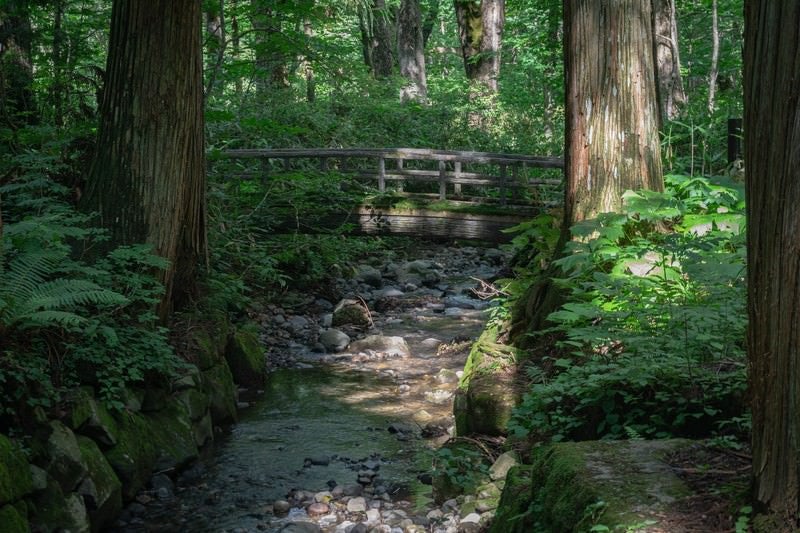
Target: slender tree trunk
[
  {"x": 215, "y": 27},
  {"x": 236, "y": 43},
  {"x": 480, "y": 29},
  {"x": 772, "y": 170},
  {"x": 17, "y": 102},
  {"x": 147, "y": 181},
  {"x": 612, "y": 142},
  {"x": 714, "y": 73},
  {"x": 58, "y": 88},
  {"x": 668, "y": 61},
  {"x": 308, "y": 66},
  {"x": 411, "y": 52}
]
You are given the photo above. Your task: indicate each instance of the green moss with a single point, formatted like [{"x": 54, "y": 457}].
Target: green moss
[
  {"x": 514, "y": 510},
  {"x": 245, "y": 356},
  {"x": 174, "y": 436},
  {"x": 218, "y": 385},
  {"x": 15, "y": 474},
  {"x": 12, "y": 521},
  {"x": 577, "y": 485},
  {"x": 135, "y": 454},
  {"x": 106, "y": 494}
]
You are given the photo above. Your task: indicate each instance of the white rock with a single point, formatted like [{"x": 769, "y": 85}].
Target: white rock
[
  {"x": 373, "y": 516},
  {"x": 475, "y": 518},
  {"x": 357, "y": 505}
]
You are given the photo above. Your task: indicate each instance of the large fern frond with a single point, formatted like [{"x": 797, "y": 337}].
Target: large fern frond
[
  {"x": 69, "y": 293},
  {"x": 49, "y": 318}
]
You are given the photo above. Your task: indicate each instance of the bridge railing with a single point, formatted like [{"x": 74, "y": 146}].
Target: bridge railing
[{"x": 508, "y": 173}]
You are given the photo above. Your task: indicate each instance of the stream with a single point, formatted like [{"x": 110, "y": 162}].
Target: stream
[{"x": 342, "y": 442}]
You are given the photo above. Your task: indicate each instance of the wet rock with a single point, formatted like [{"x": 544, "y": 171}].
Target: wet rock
[
  {"x": 387, "y": 292},
  {"x": 300, "y": 527},
  {"x": 359, "y": 528},
  {"x": 326, "y": 320},
  {"x": 396, "y": 346},
  {"x": 352, "y": 490},
  {"x": 399, "y": 427},
  {"x": 356, "y": 505},
  {"x": 280, "y": 507},
  {"x": 351, "y": 312},
  {"x": 101, "y": 488},
  {"x": 455, "y": 312},
  {"x": 317, "y": 509},
  {"x": 245, "y": 356},
  {"x": 334, "y": 340},
  {"x": 297, "y": 323},
  {"x": 321, "y": 460},
  {"x": 65, "y": 464}
]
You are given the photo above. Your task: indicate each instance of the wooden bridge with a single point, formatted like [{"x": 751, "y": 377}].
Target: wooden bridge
[{"x": 446, "y": 193}]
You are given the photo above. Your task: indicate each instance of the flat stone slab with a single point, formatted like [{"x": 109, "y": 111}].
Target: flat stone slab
[{"x": 577, "y": 485}]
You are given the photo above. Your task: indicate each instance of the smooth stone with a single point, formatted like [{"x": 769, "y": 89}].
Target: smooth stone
[
  {"x": 357, "y": 505},
  {"x": 475, "y": 518},
  {"x": 280, "y": 507},
  {"x": 388, "y": 292},
  {"x": 502, "y": 465},
  {"x": 344, "y": 527},
  {"x": 323, "y": 497},
  {"x": 373, "y": 516},
  {"x": 352, "y": 490},
  {"x": 380, "y": 343},
  {"x": 334, "y": 340},
  {"x": 317, "y": 509},
  {"x": 300, "y": 527}
]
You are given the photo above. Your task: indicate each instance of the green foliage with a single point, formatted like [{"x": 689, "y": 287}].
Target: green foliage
[
  {"x": 68, "y": 317},
  {"x": 654, "y": 324}
]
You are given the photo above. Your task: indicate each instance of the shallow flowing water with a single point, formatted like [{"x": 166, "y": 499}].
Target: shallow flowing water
[{"x": 321, "y": 425}]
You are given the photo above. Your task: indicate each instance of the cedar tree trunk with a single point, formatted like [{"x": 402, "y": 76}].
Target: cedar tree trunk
[
  {"x": 147, "y": 180},
  {"x": 668, "y": 60},
  {"x": 772, "y": 170}
]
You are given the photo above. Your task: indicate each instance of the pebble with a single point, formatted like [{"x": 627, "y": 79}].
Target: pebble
[
  {"x": 357, "y": 505},
  {"x": 281, "y": 507},
  {"x": 317, "y": 509}
]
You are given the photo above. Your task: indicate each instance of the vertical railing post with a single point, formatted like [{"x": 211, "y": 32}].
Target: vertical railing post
[
  {"x": 457, "y": 176},
  {"x": 515, "y": 182},
  {"x": 503, "y": 177},
  {"x": 400, "y": 169},
  {"x": 323, "y": 164},
  {"x": 381, "y": 174},
  {"x": 287, "y": 162},
  {"x": 442, "y": 182}
]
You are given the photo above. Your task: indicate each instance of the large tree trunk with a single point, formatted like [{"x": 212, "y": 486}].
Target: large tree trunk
[
  {"x": 411, "y": 52},
  {"x": 147, "y": 181},
  {"x": 668, "y": 60},
  {"x": 17, "y": 104},
  {"x": 772, "y": 164},
  {"x": 612, "y": 142},
  {"x": 480, "y": 29},
  {"x": 428, "y": 22}
]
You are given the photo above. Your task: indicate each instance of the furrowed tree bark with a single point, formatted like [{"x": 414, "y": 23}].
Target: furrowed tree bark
[
  {"x": 376, "y": 39},
  {"x": 668, "y": 61},
  {"x": 147, "y": 181},
  {"x": 480, "y": 30},
  {"x": 272, "y": 70},
  {"x": 411, "y": 52},
  {"x": 429, "y": 21},
  {"x": 612, "y": 116},
  {"x": 772, "y": 169}
]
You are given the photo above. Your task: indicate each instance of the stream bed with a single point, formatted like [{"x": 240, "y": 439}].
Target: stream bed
[{"x": 342, "y": 441}]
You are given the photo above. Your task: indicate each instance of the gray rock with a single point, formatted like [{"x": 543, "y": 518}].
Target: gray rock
[
  {"x": 66, "y": 464},
  {"x": 502, "y": 465},
  {"x": 300, "y": 527},
  {"x": 280, "y": 507},
  {"x": 475, "y": 518},
  {"x": 357, "y": 505},
  {"x": 369, "y": 275},
  {"x": 326, "y": 320},
  {"x": 379, "y": 343},
  {"x": 388, "y": 292},
  {"x": 334, "y": 340},
  {"x": 298, "y": 323}
]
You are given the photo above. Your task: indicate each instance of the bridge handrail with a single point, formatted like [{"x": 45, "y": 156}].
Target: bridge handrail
[{"x": 398, "y": 153}]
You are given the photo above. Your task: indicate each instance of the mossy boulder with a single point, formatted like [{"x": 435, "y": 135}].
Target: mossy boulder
[
  {"x": 158, "y": 441},
  {"x": 65, "y": 463},
  {"x": 575, "y": 486},
  {"x": 487, "y": 392},
  {"x": 514, "y": 511},
  {"x": 101, "y": 489},
  {"x": 15, "y": 474},
  {"x": 91, "y": 418},
  {"x": 351, "y": 312},
  {"x": 209, "y": 340},
  {"x": 12, "y": 521},
  {"x": 195, "y": 402},
  {"x": 245, "y": 356},
  {"x": 218, "y": 385},
  {"x": 56, "y": 511}
]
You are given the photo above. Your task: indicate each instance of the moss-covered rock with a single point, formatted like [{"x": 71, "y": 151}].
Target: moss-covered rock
[
  {"x": 514, "y": 511},
  {"x": 92, "y": 419},
  {"x": 15, "y": 474},
  {"x": 245, "y": 357},
  {"x": 135, "y": 454},
  {"x": 195, "y": 402},
  {"x": 577, "y": 485},
  {"x": 162, "y": 440},
  {"x": 55, "y": 511},
  {"x": 64, "y": 460},
  {"x": 218, "y": 385},
  {"x": 209, "y": 341},
  {"x": 487, "y": 392},
  {"x": 12, "y": 521},
  {"x": 102, "y": 489},
  {"x": 203, "y": 431}
]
